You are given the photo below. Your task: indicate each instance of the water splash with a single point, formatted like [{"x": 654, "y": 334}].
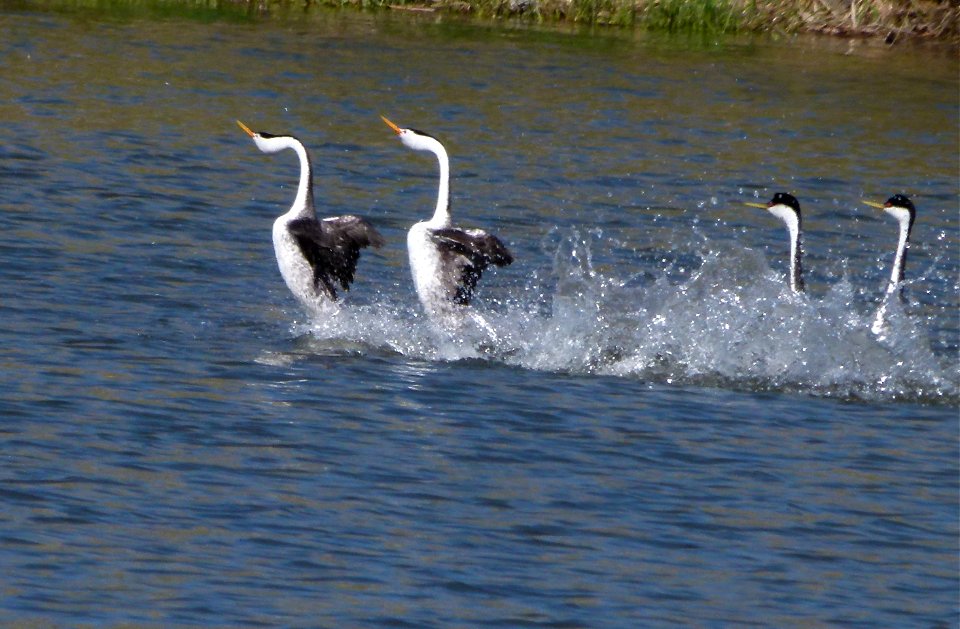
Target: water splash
[{"x": 725, "y": 320}]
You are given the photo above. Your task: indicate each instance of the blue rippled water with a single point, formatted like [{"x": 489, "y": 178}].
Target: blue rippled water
[{"x": 657, "y": 433}]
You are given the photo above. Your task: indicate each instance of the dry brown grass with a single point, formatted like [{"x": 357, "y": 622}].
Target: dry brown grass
[
  {"x": 894, "y": 20},
  {"x": 891, "y": 19}
]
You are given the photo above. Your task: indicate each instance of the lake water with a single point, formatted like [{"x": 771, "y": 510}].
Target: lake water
[{"x": 660, "y": 433}]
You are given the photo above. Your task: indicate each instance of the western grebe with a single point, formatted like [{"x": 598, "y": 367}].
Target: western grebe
[
  {"x": 902, "y": 209},
  {"x": 314, "y": 256},
  {"x": 786, "y": 207},
  {"x": 446, "y": 261}
]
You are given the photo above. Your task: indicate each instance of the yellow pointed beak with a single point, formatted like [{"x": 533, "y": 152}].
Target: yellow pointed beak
[
  {"x": 879, "y": 206},
  {"x": 246, "y": 129},
  {"x": 762, "y": 206},
  {"x": 395, "y": 128}
]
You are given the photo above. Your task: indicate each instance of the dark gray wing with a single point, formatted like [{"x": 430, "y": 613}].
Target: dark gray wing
[
  {"x": 466, "y": 253},
  {"x": 332, "y": 247}
]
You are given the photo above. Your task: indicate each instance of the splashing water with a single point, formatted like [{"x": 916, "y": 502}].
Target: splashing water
[{"x": 732, "y": 322}]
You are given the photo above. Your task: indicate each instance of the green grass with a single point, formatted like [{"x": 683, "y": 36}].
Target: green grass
[{"x": 685, "y": 16}]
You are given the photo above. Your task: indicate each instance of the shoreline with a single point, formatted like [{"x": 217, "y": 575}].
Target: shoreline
[{"x": 890, "y": 20}]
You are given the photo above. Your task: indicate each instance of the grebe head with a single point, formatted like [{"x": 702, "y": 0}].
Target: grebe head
[
  {"x": 414, "y": 139},
  {"x": 899, "y": 207},
  {"x": 267, "y": 142}
]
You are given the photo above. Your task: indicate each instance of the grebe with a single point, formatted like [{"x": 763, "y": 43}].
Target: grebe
[
  {"x": 314, "y": 256},
  {"x": 446, "y": 261},
  {"x": 786, "y": 207},
  {"x": 902, "y": 209}
]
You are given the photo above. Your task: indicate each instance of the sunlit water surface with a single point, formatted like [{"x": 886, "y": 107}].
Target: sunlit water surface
[{"x": 649, "y": 429}]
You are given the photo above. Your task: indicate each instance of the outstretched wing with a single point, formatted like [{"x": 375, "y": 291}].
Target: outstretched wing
[
  {"x": 466, "y": 253},
  {"x": 332, "y": 247}
]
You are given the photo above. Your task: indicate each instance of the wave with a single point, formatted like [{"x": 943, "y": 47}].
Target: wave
[{"x": 721, "y": 318}]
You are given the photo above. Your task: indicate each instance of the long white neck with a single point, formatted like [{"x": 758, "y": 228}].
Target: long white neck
[
  {"x": 899, "y": 264},
  {"x": 303, "y": 203},
  {"x": 792, "y": 220},
  {"x": 422, "y": 142},
  {"x": 900, "y": 261},
  {"x": 441, "y": 215}
]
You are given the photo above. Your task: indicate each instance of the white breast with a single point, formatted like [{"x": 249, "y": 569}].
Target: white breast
[
  {"x": 294, "y": 268},
  {"x": 427, "y": 270}
]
